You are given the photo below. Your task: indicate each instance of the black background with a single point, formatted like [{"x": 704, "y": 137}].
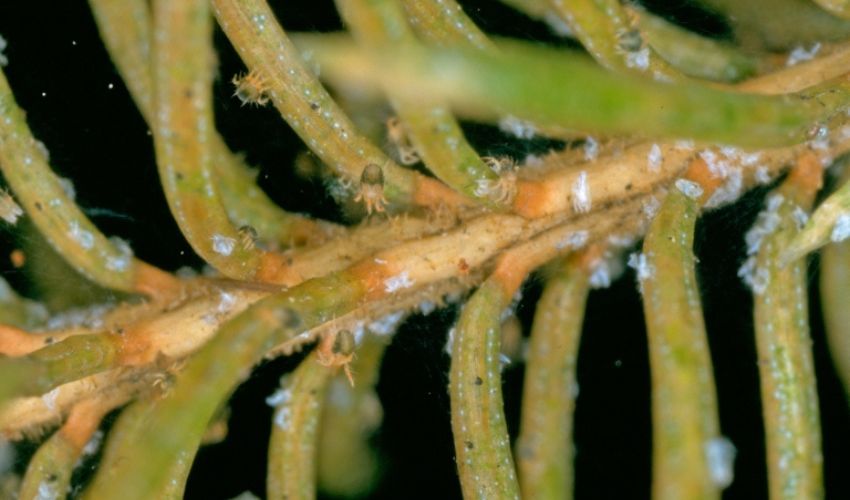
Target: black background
[{"x": 61, "y": 76}]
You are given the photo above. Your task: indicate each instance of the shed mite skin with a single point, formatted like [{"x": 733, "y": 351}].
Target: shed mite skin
[
  {"x": 503, "y": 190},
  {"x": 337, "y": 349},
  {"x": 629, "y": 40},
  {"x": 371, "y": 190},
  {"x": 251, "y": 88},
  {"x": 10, "y": 211},
  {"x": 248, "y": 237},
  {"x": 398, "y": 137}
]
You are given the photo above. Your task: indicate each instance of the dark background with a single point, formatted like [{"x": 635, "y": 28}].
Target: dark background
[{"x": 78, "y": 106}]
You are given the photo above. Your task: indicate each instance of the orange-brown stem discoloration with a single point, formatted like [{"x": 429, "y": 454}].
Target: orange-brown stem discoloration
[{"x": 82, "y": 422}]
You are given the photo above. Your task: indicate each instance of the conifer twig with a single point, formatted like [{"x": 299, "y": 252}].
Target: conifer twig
[
  {"x": 840, "y": 8},
  {"x": 789, "y": 393},
  {"x": 554, "y": 89},
  {"x": 544, "y": 446},
  {"x": 120, "y": 442},
  {"x": 347, "y": 463},
  {"x": 443, "y": 22},
  {"x": 306, "y": 106},
  {"x": 298, "y": 406},
  {"x": 43, "y": 370},
  {"x": 125, "y": 27},
  {"x": 835, "y": 288},
  {"x": 692, "y": 54},
  {"x": 57, "y": 217},
  {"x": 49, "y": 472},
  {"x": 688, "y": 459},
  {"x": 183, "y": 129},
  {"x": 434, "y": 133},
  {"x": 605, "y": 30}
]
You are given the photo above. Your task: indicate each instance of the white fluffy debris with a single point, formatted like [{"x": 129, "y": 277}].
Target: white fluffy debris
[
  {"x": 10, "y": 211},
  {"x": 557, "y": 24},
  {"x": 686, "y": 144},
  {"x": 651, "y": 206},
  {"x": 83, "y": 237},
  {"x": 398, "y": 282},
  {"x": 621, "y": 240},
  {"x": 49, "y": 399},
  {"x": 654, "y": 158},
  {"x": 449, "y": 341},
  {"x": 279, "y": 397},
  {"x": 46, "y": 491},
  {"x": 504, "y": 361},
  {"x": 573, "y": 241},
  {"x": 521, "y": 129},
  {"x": 800, "y": 54},
  {"x": 226, "y": 301},
  {"x": 690, "y": 189},
  {"x": 122, "y": 261},
  {"x": 755, "y": 277},
  {"x": 68, "y": 187},
  {"x": 643, "y": 269},
  {"x": 638, "y": 59},
  {"x": 766, "y": 223},
  {"x": 600, "y": 277},
  {"x": 426, "y": 307},
  {"x": 591, "y": 149},
  {"x": 581, "y": 194},
  {"x": 223, "y": 245},
  {"x": 88, "y": 317},
  {"x": 729, "y": 191},
  {"x": 720, "y": 455},
  {"x": 800, "y": 216},
  {"x": 282, "y": 417},
  {"x": 93, "y": 444},
  {"x": 386, "y": 325},
  {"x": 483, "y": 188},
  {"x": 763, "y": 175},
  {"x": 841, "y": 228}
]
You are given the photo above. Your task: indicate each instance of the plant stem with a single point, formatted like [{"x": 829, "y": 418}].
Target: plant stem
[
  {"x": 125, "y": 27},
  {"x": 482, "y": 445},
  {"x": 209, "y": 377},
  {"x": 685, "y": 419},
  {"x": 57, "y": 217},
  {"x": 307, "y": 107},
  {"x": 554, "y": 89},
  {"x": 835, "y": 288},
  {"x": 830, "y": 222},
  {"x": 443, "y": 22},
  {"x": 49, "y": 472},
  {"x": 544, "y": 446},
  {"x": 435, "y": 134},
  {"x": 348, "y": 465},
  {"x": 56, "y": 364},
  {"x": 602, "y": 26},
  {"x": 183, "y": 129},
  {"x": 774, "y": 25},
  {"x": 840, "y": 8},
  {"x": 789, "y": 394},
  {"x": 295, "y": 430},
  {"x": 693, "y": 54},
  {"x": 17, "y": 311}
]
